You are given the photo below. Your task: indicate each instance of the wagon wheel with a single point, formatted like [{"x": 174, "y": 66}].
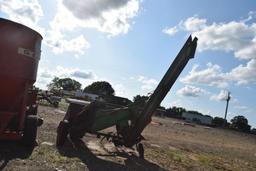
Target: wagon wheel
[
  {"x": 140, "y": 150},
  {"x": 62, "y": 132},
  {"x": 30, "y": 130}
]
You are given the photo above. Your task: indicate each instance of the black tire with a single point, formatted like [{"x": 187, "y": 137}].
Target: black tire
[
  {"x": 30, "y": 131},
  {"x": 55, "y": 104},
  {"x": 32, "y": 110},
  {"x": 62, "y": 133},
  {"x": 140, "y": 150}
]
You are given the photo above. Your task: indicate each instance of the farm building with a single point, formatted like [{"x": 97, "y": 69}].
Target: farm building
[
  {"x": 86, "y": 96},
  {"x": 191, "y": 116}
]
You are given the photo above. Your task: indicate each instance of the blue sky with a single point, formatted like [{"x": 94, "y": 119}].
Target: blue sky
[{"x": 131, "y": 44}]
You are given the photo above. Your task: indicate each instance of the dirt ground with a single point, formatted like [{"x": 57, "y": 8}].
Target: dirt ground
[{"x": 170, "y": 145}]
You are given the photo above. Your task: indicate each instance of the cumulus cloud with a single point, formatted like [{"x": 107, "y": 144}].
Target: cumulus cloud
[
  {"x": 76, "y": 45},
  {"x": 222, "y": 96},
  {"x": 212, "y": 76},
  {"x": 244, "y": 74},
  {"x": 238, "y": 37},
  {"x": 171, "y": 31},
  {"x": 194, "y": 24},
  {"x": 120, "y": 90},
  {"x": 82, "y": 74},
  {"x": 148, "y": 84},
  {"x": 110, "y": 16},
  {"x": 73, "y": 72},
  {"x": 191, "y": 91},
  {"x": 27, "y": 12},
  {"x": 45, "y": 76},
  {"x": 242, "y": 107}
]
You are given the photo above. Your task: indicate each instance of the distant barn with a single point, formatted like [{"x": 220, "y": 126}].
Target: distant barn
[{"x": 195, "y": 117}]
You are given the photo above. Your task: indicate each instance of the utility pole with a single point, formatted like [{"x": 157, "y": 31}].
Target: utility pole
[{"x": 226, "y": 111}]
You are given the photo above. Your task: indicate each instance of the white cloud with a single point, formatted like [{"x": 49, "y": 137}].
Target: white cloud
[
  {"x": 82, "y": 74},
  {"x": 244, "y": 74},
  {"x": 242, "y": 107},
  {"x": 247, "y": 52},
  {"x": 191, "y": 91},
  {"x": 73, "y": 72},
  {"x": 177, "y": 102},
  {"x": 148, "y": 84},
  {"x": 27, "y": 12},
  {"x": 120, "y": 90},
  {"x": 222, "y": 96},
  {"x": 109, "y": 16},
  {"x": 171, "y": 31},
  {"x": 45, "y": 76},
  {"x": 76, "y": 45},
  {"x": 211, "y": 76},
  {"x": 238, "y": 37},
  {"x": 233, "y": 36},
  {"x": 86, "y": 78},
  {"x": 194, "y": 24}
]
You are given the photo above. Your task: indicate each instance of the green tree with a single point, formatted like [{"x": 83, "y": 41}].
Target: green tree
[
  {"x": 253, "y": 131},
  {"x": 219, "y": 122},
  {"x": 240, "y": 123},
  {"x": 140, "y": 99},
  {"x": 64, "y": 84},
  {"x": 54, "y": 84},
  {"x": 100, "y": 88},
  {"x": 175, "y": 112}
]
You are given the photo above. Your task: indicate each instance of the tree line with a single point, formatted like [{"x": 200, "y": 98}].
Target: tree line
[
  {"x": 68, "y": 84},
  {"x": 239, "y": 122}
]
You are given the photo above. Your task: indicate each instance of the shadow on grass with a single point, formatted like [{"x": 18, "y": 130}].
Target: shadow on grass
[
  {"x": 95, "y": 163},
  {"x": 10, "y": 150}
]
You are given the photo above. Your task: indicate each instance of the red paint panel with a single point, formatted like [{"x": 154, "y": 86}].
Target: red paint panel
[{"x": 20, "y": 49}]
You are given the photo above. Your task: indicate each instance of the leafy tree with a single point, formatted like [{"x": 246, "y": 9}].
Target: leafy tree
[
  {"x": 140, "y": 99},
  {"x": 100, "y": 88},
  {"x": 219, "y": 122},
  {"x": 175, "y": 112},
  {"x": 240, "y": 123},
  {"x": 64, "y": 84},
  {"x": 253, "y": 131},
  {"x": 54, "y": 84},
  {"x": 69, "y": 84}
]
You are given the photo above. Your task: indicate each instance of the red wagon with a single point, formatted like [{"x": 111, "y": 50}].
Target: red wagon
[{"x": 20, "y": 49}]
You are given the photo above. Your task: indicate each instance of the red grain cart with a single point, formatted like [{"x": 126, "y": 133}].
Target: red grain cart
[{"x": 20, "y": 49}]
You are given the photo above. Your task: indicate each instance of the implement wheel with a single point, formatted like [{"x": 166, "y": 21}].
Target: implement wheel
[
  {"x": 62, "y": 133},
  {"x": 30, "y": 131},
  {"x": 140, "y": 150}
]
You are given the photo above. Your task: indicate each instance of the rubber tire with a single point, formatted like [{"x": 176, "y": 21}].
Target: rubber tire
[
  {"x": 30, "y": 131},
  {"x": 62, "y": 133},
  {"x": 140, "y": 150},
  {"x": 56, "y": 104}
]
